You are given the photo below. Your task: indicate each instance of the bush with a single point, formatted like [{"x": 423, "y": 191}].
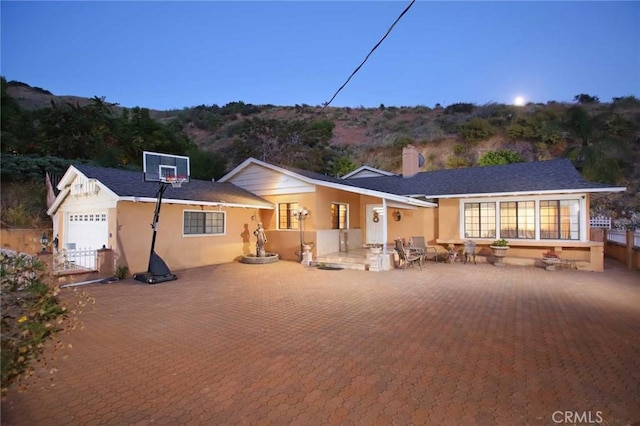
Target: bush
[
  {"x": 457, "y": 162},
  {"x": 476, "y": 130},
  {"x": 31, "y": 315},
  {"x": 495, "y": 158}
]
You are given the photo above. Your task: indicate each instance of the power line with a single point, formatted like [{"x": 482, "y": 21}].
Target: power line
[{"x": 326, "y": 104}]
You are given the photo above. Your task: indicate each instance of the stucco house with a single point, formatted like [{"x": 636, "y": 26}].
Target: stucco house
[{"x": 536, "y": 206}]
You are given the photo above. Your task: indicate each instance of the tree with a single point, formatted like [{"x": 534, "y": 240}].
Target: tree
[
  {"x": 601, "y": 152},
  {"x": 583, "y": 98}
]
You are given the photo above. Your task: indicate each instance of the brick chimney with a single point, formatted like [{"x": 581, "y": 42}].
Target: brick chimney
[{"x": 410, "y": 161}]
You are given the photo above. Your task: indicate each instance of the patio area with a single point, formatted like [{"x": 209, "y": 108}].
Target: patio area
[{"x": 288, "y": 344}]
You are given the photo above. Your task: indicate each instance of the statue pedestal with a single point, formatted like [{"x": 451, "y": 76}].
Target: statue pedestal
[{"x": 307, "y": 256}]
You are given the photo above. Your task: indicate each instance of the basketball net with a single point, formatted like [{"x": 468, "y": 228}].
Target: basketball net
[{"x": 175, "y": 181}]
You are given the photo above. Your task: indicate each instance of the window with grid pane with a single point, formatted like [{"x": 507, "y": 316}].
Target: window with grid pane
[
  {"x": 480, "y": 220},
  {"x": 203, "y": 223},
  {"x": 338, "y": 216},
  {"x": 560, "y": 220},
  {"x": 517, "y": 219},
  {"x": 285, "y": 216}
]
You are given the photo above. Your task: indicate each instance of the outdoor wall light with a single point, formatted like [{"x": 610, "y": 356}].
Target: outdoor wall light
[{"x": 44, "y": 241}]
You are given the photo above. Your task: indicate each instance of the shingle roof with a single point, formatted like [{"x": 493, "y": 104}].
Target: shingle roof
[
  {"x": 125, "y": 183},
  {"x": 538, "y": 176}
]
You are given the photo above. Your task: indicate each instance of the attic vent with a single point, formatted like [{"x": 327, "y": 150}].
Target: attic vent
[{"x": 87, "y": 187}]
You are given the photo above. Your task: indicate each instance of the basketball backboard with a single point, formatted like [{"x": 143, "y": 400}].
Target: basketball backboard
[{"x": 158, "y": 167}]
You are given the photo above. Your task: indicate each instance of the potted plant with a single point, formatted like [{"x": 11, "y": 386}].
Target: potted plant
[
  {"x": 550, "y": 259},
  {"x": 499, "y": 248}
]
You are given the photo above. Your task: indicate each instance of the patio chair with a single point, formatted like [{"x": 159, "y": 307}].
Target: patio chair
[
  {"x": 407, "y": 257},
  {"x": 470, "y": 252},
  {"x": 420, "y": 243}
]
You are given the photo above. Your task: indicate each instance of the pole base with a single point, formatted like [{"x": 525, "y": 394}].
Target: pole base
[{"x": 149, "y": 278}]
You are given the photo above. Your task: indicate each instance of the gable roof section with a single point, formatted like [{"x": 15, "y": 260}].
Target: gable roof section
[
  {"x": 367, "y": 171},
  {"x": 318, "y": 179},
  {"x": 539, "y": 177},
  {"x": 130, "y": 186}
]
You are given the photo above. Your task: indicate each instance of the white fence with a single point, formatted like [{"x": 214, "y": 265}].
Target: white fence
[
  {"x": 601, "y": 222},
  {"x": 78, "y": 259},
  {"x": 620, "y": 237}
]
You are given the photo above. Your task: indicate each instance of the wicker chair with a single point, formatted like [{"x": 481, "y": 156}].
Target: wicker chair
[{"x": 407, "y": 257}]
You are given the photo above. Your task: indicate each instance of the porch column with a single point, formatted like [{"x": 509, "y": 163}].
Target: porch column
[{"x": 384, "y": 226}]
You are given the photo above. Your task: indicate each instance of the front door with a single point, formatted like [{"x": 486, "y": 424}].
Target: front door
[{"x": 375, "y": 222}]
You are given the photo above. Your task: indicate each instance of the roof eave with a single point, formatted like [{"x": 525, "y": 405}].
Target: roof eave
[
  {"x": 518, "y": 193},
  {"x": 197, "y": 202}
]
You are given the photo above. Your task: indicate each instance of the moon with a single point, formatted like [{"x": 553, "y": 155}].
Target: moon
[{"x": 519, "y": 101}]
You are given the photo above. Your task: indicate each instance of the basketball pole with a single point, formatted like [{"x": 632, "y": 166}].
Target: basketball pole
[
  {"x": 156, "y": 219},
  {"x": 157, "y": 271}
]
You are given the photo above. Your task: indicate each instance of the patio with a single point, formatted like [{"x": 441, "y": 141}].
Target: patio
[{"x": 289, "y": 344}]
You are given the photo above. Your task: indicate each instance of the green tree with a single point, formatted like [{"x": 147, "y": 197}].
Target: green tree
[
  {"x": 583, "y": 98},
  {"x": 600, "y": 154},
  {"x": 206, "y": 165}
]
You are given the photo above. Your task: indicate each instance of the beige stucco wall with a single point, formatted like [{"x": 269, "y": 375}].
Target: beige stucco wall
[
  {"x": 134, "y": 235},
  {"x": 25, "y": 240}
]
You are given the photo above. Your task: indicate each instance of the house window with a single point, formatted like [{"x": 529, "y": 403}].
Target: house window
[
  {"x": 204, "y": 223},
  {"x": 285, "y": 216},
  {"x": 517, "y": 219},
  {"x": 560, "y": 220},
  {"x": 338, "y": 216},
  {"x": 480, "y": 220}
]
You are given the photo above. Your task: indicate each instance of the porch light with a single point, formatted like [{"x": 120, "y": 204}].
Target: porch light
[{"x": 44, "y": 241}]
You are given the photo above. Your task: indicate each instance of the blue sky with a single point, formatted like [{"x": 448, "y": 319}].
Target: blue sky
[{"x": 165, "y": 55}]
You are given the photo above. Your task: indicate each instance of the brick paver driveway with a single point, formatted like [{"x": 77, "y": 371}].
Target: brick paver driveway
[{"x": 286, "y": 344}]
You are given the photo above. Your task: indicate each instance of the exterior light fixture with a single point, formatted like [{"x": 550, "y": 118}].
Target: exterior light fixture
[
  {"x": 44, "y": 241},
  {"x": 301, "y": 215}
]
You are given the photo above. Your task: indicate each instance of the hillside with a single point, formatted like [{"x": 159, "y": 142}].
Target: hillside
[{"x": 602, "y": 138}]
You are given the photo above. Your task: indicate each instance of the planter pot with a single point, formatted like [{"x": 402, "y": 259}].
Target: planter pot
[
  {"x": 550, "y": 263},
  {"x": 499, "y": 252}
]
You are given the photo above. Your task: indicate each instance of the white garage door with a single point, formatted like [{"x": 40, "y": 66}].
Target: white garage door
[{"x": 87, "y": 230}]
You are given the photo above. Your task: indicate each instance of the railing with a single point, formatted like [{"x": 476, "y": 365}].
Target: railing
[
  {"x": 620, "y": 237},
  {"x": 74, "y": 260}
]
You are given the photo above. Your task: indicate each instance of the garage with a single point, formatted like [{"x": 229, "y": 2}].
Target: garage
[{"x": 87, "y": 231}]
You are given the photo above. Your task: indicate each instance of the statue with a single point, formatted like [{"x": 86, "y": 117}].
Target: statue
[{"x": 262, "y": 239}]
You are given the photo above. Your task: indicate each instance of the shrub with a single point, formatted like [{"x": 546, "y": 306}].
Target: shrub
[
  {"x": 31, "y": 315},
  {"x": 495, "y": 158},
  {"x": 457, "y": 162},
  {"x": 460, "y": 107},
  {"x": 476, "y": 129}
]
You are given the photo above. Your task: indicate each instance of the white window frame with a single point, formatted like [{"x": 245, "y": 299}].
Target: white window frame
[
  {"x": 582, "y": 217},
  {"x": 224, "y": 213}
]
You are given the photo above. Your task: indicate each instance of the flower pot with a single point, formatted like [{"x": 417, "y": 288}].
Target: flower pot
[
  {"x": 550, "y": 263},
  {"x": 499, "y": 252}
]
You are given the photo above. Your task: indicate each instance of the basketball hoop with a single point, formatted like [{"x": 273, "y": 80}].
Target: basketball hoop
[{"x": 175, "y": 181}]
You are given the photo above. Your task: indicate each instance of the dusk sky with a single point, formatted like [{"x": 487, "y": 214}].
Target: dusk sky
[{"x": 167, "y": 55}]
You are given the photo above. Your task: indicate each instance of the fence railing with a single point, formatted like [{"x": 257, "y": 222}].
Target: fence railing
[
  {"x": 75, "y": 260},
  {"x": 620, "y": 237}
]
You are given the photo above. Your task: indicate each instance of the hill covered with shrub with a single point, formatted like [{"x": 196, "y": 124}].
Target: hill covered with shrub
[{"x": 44, "y": 132}]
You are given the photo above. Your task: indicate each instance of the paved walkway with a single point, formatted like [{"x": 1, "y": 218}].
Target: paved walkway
[{"x": 286, "y": 344}]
